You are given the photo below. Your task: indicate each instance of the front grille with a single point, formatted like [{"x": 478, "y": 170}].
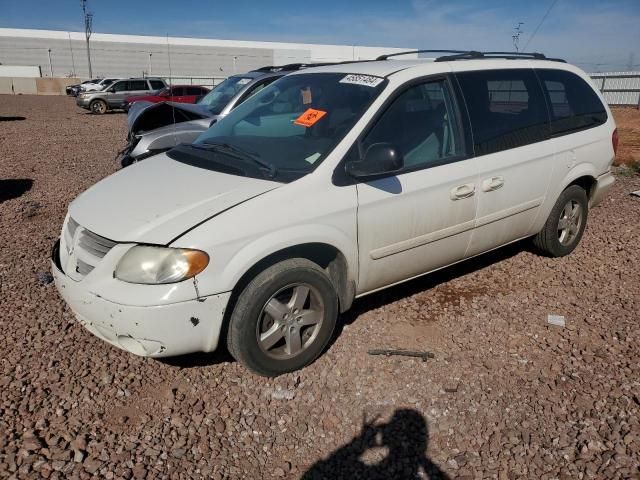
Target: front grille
[{"x": 90, "y": 248}]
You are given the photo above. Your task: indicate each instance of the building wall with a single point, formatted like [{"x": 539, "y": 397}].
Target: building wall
[{"x": 134, "y": 55}]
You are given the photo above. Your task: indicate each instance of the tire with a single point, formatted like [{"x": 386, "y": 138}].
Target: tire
[
  {"x": 271, "y": 329},
  {"x": 99, "y": 107},
  {"x": 570, "y": 211}
]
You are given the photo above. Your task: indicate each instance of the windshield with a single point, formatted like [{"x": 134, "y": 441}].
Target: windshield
[
  {"x": 290, "y": 126},
  {"x": 221, "y": 95}
]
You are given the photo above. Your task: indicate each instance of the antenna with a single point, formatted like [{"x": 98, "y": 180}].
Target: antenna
[
  {"x": 88, "y": 24},
  {"x": 517, "y": 31}
]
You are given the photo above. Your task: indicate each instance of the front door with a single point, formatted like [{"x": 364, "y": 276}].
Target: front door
[{"x": 421, "y": 218}]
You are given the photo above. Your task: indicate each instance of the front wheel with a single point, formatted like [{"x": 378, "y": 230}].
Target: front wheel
[
  {"x": 566, "y": 223},
  {"x": 98, "y": 107},
  {"x": 283, "y": 318}
]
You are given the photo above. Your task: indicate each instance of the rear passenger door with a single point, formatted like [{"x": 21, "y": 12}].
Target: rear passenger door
[
  {"x": 420, "y": 218},
  {"x": 513, "y": 153}
]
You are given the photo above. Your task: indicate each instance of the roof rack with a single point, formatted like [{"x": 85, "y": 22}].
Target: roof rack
[
  {"x": 290, "y": 67},
  {"x": 385, "y": 57},
  {"x": 475, "y": 55}
]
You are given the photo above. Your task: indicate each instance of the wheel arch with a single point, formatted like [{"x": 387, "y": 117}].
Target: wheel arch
[
  {"x": 583, "y": 175},
  {"x": 328, "y": 257}
]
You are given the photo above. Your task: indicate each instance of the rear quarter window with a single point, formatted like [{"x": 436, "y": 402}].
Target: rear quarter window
[{"x": 573, "y": 105}]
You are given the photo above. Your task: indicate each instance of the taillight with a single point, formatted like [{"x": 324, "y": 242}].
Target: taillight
[{"x": 614, "y": 141}]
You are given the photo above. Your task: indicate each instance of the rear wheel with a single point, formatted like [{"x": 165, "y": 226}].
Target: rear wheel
[
  {"x": 563, "y": 230},
  {"x": 98, "y": 107},
  {"x": 284, "y": 318}
]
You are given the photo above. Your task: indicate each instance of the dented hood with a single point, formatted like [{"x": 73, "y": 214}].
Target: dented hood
[
  {"x": 146, "y": 116},
  {"x": 155, "y": 202}
]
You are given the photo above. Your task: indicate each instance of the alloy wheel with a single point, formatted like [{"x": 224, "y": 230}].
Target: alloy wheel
[
  {"x": 290, "y": 321},
  {"x": 570, "y": 222}
]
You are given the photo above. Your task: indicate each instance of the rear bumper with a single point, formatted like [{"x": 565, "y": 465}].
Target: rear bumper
[
  {"x": 603, "y": 185},
  {"x": 150, "y": 331}
]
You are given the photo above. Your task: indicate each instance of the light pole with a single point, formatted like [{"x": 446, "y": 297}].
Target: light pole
[
  {"x": 150, "y": 54},
  {"x": 73, "y": 62},
  {"x": 50, "y": 64},
  {"x": 234, "y": 64},
  {"x": 88, "y": 22}
]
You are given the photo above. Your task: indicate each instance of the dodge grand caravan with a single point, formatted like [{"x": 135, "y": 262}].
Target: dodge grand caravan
[{"x": 329, "y": 184}]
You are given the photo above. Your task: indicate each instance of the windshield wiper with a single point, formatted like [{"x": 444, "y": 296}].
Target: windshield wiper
[{"x": 237, "y": 152}]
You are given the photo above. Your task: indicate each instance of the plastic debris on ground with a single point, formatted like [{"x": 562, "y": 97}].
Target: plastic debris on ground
[{"x": 557, "y": 320}]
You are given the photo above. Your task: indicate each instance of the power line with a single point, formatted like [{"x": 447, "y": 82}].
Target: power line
[{"x": 540, "y": 24}]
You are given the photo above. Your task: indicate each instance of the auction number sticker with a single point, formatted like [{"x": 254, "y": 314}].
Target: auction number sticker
[
  {"x": 309, "y": 117},
  {"x": 365, "y": 80}
]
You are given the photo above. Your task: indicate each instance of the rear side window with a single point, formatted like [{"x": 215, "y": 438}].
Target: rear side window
[
  {"x": 194, "y": 91},
  {"x": 573, "y": 104},
  {"x": 138, "y": 85},
  {"x": 506, "y": 108},
  {"x": 156, "y": 85},
  {"x": 177, "y": 91},
  {"x": 121, "y": 86}
]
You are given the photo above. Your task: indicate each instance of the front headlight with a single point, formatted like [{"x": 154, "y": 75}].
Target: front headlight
[{"x": 158, "y": 265}]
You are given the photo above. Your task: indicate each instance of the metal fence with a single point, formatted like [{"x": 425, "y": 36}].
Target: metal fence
[{"x": 619, "y": 88}]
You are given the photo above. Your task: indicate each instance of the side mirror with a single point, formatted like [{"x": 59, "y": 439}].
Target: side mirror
[{"x": 379, "y": 159}]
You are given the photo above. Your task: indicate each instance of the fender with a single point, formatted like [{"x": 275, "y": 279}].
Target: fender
[
  {"x": 274, "y": 242},
  {"x": 581, "y": 170}
]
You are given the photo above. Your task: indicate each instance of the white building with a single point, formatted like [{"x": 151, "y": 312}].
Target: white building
[{"x": 61, "y": 54}]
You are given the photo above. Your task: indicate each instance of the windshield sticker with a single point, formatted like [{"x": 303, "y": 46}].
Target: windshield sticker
[
  {"x": 312, "y": 158},
  {"x": 307, "y": 99},
  {"x": 244, "y": 81},
  {"x": 310, "y": 117},
  {"x": 364, "y": 80}
]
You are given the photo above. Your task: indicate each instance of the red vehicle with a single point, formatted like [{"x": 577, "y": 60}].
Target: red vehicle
[{"x": 175, "y": 93}]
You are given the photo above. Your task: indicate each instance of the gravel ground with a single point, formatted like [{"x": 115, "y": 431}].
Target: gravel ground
[{"x": 506, "y": 396}]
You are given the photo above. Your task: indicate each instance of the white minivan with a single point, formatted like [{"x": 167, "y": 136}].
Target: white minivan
[{"x": 329, "y": 184}]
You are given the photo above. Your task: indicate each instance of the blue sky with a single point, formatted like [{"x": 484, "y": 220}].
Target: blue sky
[{"x": 597, "y": 34}]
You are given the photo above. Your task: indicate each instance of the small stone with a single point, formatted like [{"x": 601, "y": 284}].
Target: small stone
[{"x": 44, "y": 278}]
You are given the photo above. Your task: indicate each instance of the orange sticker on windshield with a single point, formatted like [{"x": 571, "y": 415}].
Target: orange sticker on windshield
[{"x": 310, "y": 117}]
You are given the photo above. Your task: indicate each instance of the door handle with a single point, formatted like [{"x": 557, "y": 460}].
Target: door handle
[
  {"x": 493, "y": 183},
  {"x": 463, "y": 191}
]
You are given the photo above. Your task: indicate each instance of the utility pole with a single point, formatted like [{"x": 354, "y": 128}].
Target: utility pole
[
  {"x": 517, "y": 31},
  {"x": 73, "y": 61},
  {"x": 88, "y": 22},
  {"x": 50, "y": 64},
  {"x": 630, "y": 64}
]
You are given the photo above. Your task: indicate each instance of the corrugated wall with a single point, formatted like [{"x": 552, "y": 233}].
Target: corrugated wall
[
  {"x": 619, "y": 88},
  {"x": 134, "y": 55}
]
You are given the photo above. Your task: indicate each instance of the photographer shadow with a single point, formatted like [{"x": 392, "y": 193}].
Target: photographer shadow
[{"x": 405, "y": 437}]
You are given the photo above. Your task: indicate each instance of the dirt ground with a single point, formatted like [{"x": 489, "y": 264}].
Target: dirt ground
[
  {"x": 628, "y": 122},
  {"x": 506, "y": 395}
]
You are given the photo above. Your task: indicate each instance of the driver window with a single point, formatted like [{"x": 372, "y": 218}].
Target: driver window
[{"x": 421, "y": 125}]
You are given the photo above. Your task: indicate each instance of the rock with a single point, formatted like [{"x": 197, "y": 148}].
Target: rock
[{"x": 44, "y": 278}]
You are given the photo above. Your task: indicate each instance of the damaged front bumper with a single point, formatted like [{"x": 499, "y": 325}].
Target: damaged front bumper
[{"x": 150, "y": 331}]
